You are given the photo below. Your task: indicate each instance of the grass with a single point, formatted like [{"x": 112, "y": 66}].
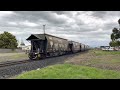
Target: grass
[
  {"x": 106, "y": 56},
  {"x": 69, "y": 71},
  {"x": 12, "y": 56},
  {"x": 100, "y": 61},
  {"x": 109, "y": 60},
  {"x": 100, "y": 52}
]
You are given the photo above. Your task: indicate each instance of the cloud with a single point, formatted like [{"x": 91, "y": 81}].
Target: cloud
[
  {"x": 99, "y": 14},
  {"x": 12, "y": 23},
  {"x": 5, "y": 13},
  {"x": 27, "y": 23},
  {"x": 88, "y": 27}
]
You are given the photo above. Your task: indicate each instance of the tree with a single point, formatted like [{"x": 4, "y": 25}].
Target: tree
[
  {"x": 119, "y": 21},
  {"x": 8, "y": 41},
  {"x": 114, "y": 43},
  {"x": 112, "y": 37},
  {"x": 115, "y": 30},
  {"x": 115, "y": 36}
]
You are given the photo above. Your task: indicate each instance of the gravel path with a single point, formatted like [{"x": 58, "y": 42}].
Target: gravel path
[{"x": 10, "y": 71}]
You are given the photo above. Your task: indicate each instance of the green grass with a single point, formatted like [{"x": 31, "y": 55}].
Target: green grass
[
  {"x": 115, "y": 61},
  {"x": 102, "y": 61},
  {"x": 106, "y": 56},
  {"x": 69, "y": 71},
  {"x": 100, "y": 52}
]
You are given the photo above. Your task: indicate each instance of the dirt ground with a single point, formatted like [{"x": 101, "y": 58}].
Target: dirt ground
[
  {"x": 13, "y": 56},
  {"x": 94, "y": 58}
]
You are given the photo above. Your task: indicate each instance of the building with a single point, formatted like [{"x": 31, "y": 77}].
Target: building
[
  {"x": 21, "y": 44},
  {"x": 26, "y": 47}
]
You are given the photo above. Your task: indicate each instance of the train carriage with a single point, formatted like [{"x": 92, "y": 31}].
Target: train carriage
[
  {"x": 75, "y": 47},
  {"x": 43, "y": 45},
  {"x": 56, "y": 46},
  {"x": 82, "y": 47}
]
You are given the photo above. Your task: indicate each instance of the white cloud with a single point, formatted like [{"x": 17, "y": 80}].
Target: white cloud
[
  {"x": 5, "y": 13},
  {"x": 12, "y": 23},
  {"x": 27, "y": 23},
  {"x": 88, "y": 27}
]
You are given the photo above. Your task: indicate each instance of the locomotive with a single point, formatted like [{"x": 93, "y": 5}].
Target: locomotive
[{"x": 45, "y": 45}]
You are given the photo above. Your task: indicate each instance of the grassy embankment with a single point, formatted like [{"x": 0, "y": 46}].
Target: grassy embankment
[
  {"x": 68, "y": 71},
  {"x": 105, "y": 57}
]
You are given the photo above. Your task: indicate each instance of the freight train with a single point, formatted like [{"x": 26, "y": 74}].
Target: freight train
[{"x": 45, "y": 45}]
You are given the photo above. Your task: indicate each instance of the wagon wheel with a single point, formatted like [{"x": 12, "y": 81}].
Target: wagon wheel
[{"x": 33, "y": 56}]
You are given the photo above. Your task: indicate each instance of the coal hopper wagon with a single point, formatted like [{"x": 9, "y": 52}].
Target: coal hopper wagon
[{"x": 45, "y": 45}]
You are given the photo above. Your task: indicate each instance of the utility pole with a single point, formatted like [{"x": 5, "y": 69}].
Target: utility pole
[
  {"x": 119, "y": 23},
  {"x": 44, "y": 28}
]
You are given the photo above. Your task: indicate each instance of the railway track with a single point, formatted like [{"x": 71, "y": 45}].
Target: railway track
[{"x": 10, "y": 63}]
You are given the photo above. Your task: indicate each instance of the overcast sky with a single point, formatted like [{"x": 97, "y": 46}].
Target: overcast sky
[{"x": 89, "y": 27}]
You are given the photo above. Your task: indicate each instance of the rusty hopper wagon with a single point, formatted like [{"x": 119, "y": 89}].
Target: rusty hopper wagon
[{"x": 45, "y": 45}]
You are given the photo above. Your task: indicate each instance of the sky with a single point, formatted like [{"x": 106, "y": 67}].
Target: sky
[{"x": 92, "y": 28}]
